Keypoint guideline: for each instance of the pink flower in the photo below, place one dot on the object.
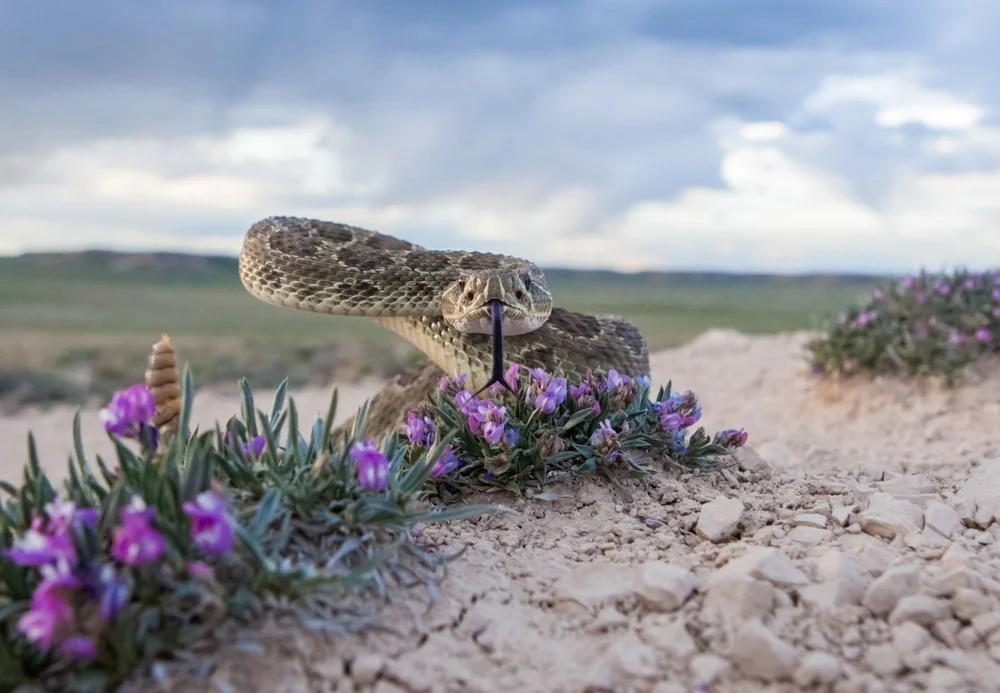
(447, 463)
(488, 421)
(373, 467)
(211, 531)
(135, 541)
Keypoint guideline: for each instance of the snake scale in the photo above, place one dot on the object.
(438, 300)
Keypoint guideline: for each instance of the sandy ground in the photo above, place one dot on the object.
(853, 550)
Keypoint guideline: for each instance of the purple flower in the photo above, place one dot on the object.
(582, 396)
(731, 438)
(128, 411)
(488, 421)
(606, 443)
(943, 288)
(907, 283)
(621, 388)
(114, 595)
(200, 570)
(511, 437)
(678, 411)
(78, 647)
(255, 446)
(36, 548)
(419, 430)
(135, 541)
(467, 402)
(512, 376)
(552, 396)
(956, 338)
(50, 614)
(996, 312)
(983, 335)
(42, 625)
(447, 463)
(996, 294)
(865, 319)
(211, 531)
(373, 467)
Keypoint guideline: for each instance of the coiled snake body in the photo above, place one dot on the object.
(438, 300)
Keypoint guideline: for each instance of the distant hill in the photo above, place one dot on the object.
(158, 267)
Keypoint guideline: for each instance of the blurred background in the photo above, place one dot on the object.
(685, 163)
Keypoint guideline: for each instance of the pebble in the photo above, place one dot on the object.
(763, 563)
(810, 520)
(719, 519)
(920, 608)
(365, 668)
(707, 668)
(886, 516)
(889, 588)
(592, 584)
(759, 653)
(842, 581)
(943, 519)
(739, 598)
(663, 586)
(818, 669)
(841, 514)
(983, 488)
(809, 536)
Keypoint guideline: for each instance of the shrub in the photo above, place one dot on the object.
(921, 325)
(544, 428)
(139, 562)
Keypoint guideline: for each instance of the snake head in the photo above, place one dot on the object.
(522, 292)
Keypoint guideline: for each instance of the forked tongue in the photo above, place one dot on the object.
(497, 376)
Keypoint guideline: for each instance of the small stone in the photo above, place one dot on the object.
(707, 668)
(983, 518)
(671, 639)
(943, 519)
(909, 637)
(809, 536)
(920, 608)
(366, 668)
(719, 519)
(986, 623)
(910, 486)
(841, 514)
(944, 680)
(885, 591)
(947, 631)
(763, 563)
(872, 471)
(748, 460)
(739, 598)
(967, 603)
(607, 619)
(883, 660)
(886, 516)
(964, 507)
(634, 658)
(818, 669)
(983, 488)
(761, 654)
(663, 586)
(810, 520)
(875, 555)
(592, 584)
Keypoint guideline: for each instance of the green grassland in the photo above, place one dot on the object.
(79, 323)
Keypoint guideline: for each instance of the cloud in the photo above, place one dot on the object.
(631, 134)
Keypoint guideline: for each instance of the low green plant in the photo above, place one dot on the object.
(533, 429)
(927, 324)
(140, 561)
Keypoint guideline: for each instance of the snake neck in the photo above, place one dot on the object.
(445, 346)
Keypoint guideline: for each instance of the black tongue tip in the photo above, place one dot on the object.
(497, 374)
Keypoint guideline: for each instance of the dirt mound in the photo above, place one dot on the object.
(854, 551)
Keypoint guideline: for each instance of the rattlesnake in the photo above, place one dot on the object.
(436, 299)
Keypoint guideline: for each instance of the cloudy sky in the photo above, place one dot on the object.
(774, 135)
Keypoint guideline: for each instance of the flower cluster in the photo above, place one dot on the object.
(77, 583)
(545, 424)
(919, 325)
(128, 415)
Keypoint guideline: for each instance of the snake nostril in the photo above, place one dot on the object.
(469, 295)
(519, 294)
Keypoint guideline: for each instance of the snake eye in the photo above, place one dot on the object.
(519, 294)
(469, 295)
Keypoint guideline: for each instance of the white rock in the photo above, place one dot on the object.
(885, 591)
(909, 637)
(875, 555)
(910, 486)
(968, 603)
(738, 598)
(943, 519)
(632, 657)
(808, 536)
(749, 460)
(670, 638)
(818, 669)
(708, 668)
(365, 668)
(719, 519)
(810, 520)
(592, 584)
(983, 518)
(841, 514)
(983, 488)
(761, 654)
(944, 680)
(764, 563)
(843, 580)
(920, 608)
(964, 506)
(886, 516)
(663, 586)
